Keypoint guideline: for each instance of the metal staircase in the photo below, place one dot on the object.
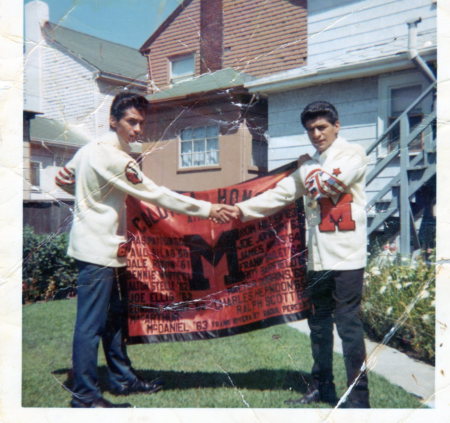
(415, 169)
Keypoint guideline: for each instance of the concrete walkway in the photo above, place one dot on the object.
(412, 375)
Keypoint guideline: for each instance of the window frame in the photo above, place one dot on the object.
(183, 77)
(386, 84)
(35, 173)
(203, 166)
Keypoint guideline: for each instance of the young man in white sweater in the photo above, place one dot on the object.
(101, 175)
(332, 183)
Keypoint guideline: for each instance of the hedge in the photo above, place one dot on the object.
(47, 272)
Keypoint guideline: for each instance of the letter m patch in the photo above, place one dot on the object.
(337, 215)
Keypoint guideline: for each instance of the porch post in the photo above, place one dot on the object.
(405, 222)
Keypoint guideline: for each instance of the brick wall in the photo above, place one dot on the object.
(211, 41)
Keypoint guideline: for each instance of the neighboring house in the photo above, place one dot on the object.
(364, 58)
(46, 207)
(205, 126)
(70, 81)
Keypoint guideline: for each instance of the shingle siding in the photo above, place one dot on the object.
(181, 37)
(69, 89)
(72, 94)
(259, 38)
(104, 96)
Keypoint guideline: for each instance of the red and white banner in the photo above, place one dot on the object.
(189, 278)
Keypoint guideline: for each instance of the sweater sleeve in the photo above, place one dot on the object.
(65, 177)
(269, 202)
(334, 178)
(122, 171)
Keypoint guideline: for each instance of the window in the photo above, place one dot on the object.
(182, 68)
(199, 147)
(259, 153)
(35, 174)
(396, 92)
(401, 99)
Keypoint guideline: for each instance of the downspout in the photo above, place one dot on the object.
(413, 54)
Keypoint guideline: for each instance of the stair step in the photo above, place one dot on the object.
(419, 167)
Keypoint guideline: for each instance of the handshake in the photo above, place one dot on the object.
(223, 213)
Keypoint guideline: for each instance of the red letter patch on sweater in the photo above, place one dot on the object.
(336, 215)
(133, 173)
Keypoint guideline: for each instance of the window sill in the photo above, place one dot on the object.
(179, 80)
(199, 169)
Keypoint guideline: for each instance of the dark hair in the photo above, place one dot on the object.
(319, 109)
(124, 101)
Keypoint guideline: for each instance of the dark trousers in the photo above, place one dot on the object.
(99, 316)
(336, 297)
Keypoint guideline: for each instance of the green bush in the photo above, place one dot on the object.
(398, 305)
(47, 272)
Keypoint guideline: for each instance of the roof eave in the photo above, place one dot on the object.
(144, 48)
(120, 78)
(195, 96)
(363, 69)
(55, 143)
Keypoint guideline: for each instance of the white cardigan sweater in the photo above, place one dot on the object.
(105, 174)
(333, 184)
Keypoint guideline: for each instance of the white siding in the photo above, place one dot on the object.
(357, 103)
(69, 88)
(346, 27)
(355, 100)
(36, 12)
(105, 94)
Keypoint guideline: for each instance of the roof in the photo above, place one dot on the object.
(370, 60)
(56, 132)
(52, 131)
(219, 80)
(165, 24)
(111, 59)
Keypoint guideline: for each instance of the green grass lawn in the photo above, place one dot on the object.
(260, 369)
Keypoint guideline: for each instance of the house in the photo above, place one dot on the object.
(376, 61)
(70, 81)
(205, 126)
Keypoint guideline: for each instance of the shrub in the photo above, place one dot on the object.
(47, 271)
(398, 304)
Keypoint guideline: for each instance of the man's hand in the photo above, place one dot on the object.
(303, 158)
(223, 213)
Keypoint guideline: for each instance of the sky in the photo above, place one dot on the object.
(128, 22)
